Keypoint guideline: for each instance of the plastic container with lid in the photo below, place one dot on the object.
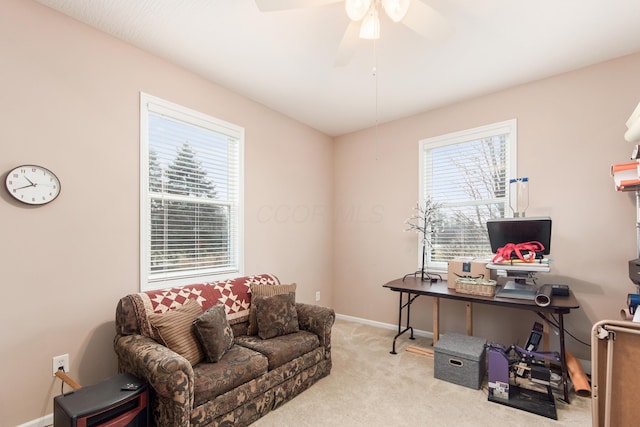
(519, 196)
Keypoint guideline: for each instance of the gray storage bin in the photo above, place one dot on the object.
(460, 359)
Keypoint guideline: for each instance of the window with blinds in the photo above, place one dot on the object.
(466, 174)
(191, 212)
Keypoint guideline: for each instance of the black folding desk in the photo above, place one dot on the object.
(414, 287)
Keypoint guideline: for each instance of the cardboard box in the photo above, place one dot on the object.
(460, 359)
(467, 267)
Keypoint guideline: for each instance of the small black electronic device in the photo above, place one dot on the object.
(130, 386)
(535, 337)
(560, 290)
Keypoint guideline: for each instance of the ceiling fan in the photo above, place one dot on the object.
(364, 18)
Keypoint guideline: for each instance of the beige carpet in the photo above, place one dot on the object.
(370, 387)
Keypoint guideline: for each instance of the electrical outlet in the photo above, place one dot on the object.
(61, 362)
(317, 295)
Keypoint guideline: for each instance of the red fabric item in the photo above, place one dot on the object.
(233, 293)
(504, 253)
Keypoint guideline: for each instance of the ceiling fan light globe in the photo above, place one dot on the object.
(396, 9)
(357, 9)
(370, 28)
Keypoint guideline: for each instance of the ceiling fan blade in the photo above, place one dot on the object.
(274, 5)
(426, 21)
(348, 44)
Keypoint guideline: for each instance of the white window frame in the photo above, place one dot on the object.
(150, 104)
(470, 135)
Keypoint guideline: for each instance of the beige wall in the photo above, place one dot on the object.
(327, 215)
(70, 102)
(570, 131)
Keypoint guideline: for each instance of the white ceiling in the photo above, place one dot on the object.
(285, 59)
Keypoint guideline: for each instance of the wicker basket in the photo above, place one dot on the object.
(485, 288)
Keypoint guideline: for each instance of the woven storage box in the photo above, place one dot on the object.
(460, 359)
(486, 288)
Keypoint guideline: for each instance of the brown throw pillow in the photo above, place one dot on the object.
(214, 333)
(175, 330)
(276, 315)
(264, 291)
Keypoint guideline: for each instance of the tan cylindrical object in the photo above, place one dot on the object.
(578, 377)
(67, 379)
(625, 314)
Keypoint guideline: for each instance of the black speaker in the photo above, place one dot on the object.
(120, 401)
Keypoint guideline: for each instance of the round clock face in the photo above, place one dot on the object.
(32, 184)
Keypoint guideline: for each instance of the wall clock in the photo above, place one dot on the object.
(33, 185)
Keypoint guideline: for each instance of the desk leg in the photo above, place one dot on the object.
(436, 320)
(563, 358)
(408, 328)
(469, 319)
(563, 354)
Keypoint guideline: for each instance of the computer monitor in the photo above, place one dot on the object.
(503, 231)
(519, 230)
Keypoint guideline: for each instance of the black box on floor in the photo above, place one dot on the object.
(121, 400)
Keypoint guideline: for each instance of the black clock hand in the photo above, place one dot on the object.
(30, 182)
(26, 186)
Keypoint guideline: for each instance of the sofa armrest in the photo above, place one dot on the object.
(317, 319)
(169, 374)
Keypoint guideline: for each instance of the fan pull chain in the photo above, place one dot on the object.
(374, 73)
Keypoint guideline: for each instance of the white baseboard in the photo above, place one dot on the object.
(382, 325)
(40, 422)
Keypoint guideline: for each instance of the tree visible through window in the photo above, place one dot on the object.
(191, 200)
(466, 173)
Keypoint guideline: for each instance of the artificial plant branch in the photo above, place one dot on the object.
(423, 221)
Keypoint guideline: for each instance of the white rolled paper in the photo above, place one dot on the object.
(633, 133)
(633, 126)
(634, 116)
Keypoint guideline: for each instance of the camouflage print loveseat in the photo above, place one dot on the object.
(252, 376)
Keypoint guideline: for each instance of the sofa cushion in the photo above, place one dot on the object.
(282, 349)
(174, 329)
(276, 315)
(238, 366)
(214, 333)
(264, 291)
